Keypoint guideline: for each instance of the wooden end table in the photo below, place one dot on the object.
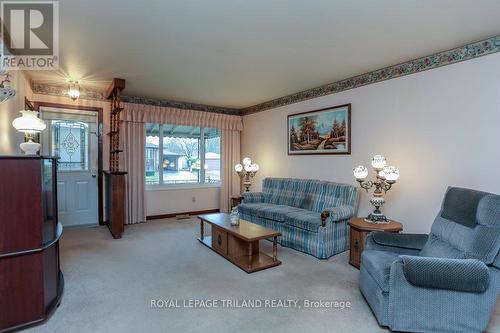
(239, 244)
(236, 200)
(359, 230)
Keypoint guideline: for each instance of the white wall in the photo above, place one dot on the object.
(159, 202)
(440, 127)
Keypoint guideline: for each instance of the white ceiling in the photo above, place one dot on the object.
(237, 53)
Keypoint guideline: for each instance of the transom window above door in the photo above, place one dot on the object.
(180, 156)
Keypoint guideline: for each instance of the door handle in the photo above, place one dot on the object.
(93, 176)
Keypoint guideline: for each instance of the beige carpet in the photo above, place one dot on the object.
(110, 285)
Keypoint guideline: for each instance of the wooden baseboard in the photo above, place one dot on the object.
(196, 212)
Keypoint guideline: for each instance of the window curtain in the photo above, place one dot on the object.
(134, 116)
(230, 181)
(133, 138)
(165, 115)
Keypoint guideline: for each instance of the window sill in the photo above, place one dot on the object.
(173, 187)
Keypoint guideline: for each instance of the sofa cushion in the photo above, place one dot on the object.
(275, 212)
(276, 190)
(437, 248)
(304, 219)
(285, 191)
(294, 193)
(333, 195)
(311, 194)
(378, 265)
(288, 198)
(449, 239)
(253, 197)
(460, 205)
(252, 208)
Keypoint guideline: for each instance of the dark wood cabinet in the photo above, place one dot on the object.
(31, 281)
(115, 202)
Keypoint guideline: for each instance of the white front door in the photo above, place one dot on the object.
(71, 135)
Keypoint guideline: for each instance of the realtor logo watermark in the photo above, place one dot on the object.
(30, 35)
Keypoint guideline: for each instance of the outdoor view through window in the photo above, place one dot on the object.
(190, 155)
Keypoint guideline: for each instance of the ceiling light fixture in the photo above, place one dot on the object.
(74, 90)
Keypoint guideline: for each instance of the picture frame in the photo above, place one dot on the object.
(324, 131)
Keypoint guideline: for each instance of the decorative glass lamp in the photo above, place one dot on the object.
(29, 124)
(74, 90)
(378, 162)
(247, 171)
(385, 177)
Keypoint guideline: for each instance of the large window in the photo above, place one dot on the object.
(178, 154)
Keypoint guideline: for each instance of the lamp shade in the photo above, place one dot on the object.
(390, 173)
(238, 167)
(379, 162)
(28, 122)
(248, 167)
(360, 172)
(255, 167)
(247, 161)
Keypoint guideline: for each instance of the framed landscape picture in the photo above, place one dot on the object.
(324, 131)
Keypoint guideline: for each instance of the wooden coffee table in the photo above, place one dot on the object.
(239, 244)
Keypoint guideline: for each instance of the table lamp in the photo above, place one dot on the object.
(29, 124)
(247, 171)
(385, 177)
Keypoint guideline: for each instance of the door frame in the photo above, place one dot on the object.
(100, 197)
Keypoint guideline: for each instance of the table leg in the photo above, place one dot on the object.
(275, 248)
(250, 254)
(202, 232)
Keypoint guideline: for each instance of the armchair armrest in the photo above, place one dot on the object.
(406, 241)
(409, 244)
(250, 197)
(336, 214)
(468, 275)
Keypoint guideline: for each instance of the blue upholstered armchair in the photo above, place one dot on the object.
(447, 281)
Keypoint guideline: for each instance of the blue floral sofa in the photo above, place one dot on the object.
(311, 215)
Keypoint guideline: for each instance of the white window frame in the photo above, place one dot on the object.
(201, 152)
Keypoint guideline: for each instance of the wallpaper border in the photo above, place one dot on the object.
(466, 52)
(458, 54)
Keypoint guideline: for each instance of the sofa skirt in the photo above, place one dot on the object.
(328, 241)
